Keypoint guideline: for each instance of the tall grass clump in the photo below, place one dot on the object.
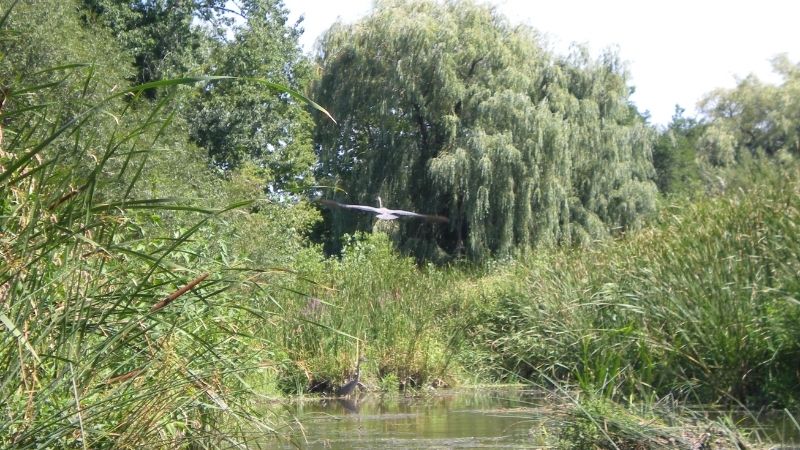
(702, 306)
(134, 300)
(109, 337)
(120, 325)
(375, 302)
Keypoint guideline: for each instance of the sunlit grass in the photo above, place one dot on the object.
(118, 330)
(700, 306)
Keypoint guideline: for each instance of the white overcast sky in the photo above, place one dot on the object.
(676, 50)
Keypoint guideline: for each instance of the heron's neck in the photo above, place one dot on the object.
(380, 203)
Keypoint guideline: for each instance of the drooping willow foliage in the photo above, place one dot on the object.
(445, 108)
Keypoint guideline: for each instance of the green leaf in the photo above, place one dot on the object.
(18, 334)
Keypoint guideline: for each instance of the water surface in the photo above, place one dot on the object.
(483, 417)
(474, 418)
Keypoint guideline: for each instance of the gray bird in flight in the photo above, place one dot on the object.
(384, 213)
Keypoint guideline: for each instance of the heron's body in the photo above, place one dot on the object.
(347, 388)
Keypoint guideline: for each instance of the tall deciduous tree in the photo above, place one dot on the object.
(242, 121)
(753, 118)
(445, 108)
(675, 155)
(238, 123)
(164, 37)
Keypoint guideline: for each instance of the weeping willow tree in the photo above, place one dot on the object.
(445, 108)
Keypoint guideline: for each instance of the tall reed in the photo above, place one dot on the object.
(112, 337)
(374, 302)
(703, 305)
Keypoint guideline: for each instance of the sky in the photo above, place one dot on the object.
(676, 51)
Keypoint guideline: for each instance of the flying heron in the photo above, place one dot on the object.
(347, 388)
(384, 213)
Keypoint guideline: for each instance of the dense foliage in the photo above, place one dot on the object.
(754, 118)
(238, 123)
(446, 108)
(675, 156)
(124, 255)
(701, 306)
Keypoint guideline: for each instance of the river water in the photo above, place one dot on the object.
(475, 418)
(481, 417)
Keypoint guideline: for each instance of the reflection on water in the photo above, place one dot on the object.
(467, 418)
(464, 419)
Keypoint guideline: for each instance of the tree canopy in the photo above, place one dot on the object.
(753, 118)
(241, 121)
(238, 123)
(675, 155)
(445, 108)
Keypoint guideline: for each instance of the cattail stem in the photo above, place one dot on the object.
(125, 376)
(171, 297)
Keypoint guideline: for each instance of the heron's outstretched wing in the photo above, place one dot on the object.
(383, 213)
(344, 205)
(400, 212)
(361, 207)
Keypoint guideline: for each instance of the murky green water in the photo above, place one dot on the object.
(478, 418)
(464, 418)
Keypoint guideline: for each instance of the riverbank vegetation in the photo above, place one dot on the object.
(165, 266)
